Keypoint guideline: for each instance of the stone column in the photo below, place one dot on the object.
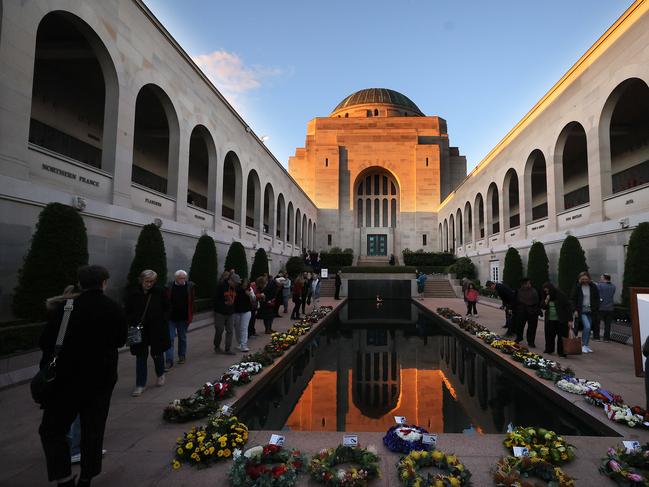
(551, 190)
(598, 143)
(217, 181)
(123, 173)
(180, 168)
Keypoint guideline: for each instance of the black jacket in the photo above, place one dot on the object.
(577, 298)
(506, 294)
(224, 298)
(156, 329)
(88, 359)
(563, 306)
(267, 305)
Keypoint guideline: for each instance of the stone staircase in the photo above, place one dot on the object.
(378, 261)
(327, 287)
(439, 288)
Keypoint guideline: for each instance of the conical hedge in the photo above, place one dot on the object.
(513, 271)
(58, 248)
(538, 266)
(294, 266)
(236, 259)
(259, 264)
(572, 261)
(204, 269)
(149, 254)
(636, 266)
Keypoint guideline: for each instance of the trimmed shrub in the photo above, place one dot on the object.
(636, 266)
(58, 248)
(236, 259)
(204, 269)
(572, 261)
(462, 268)
(538, 266)
(333, 262)
(294, 266)
(149, 254)
(513, 271)
(421, 258)
(259, 264)
(348, 250)
(336, 250)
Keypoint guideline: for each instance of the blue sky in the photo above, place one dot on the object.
(481, 65)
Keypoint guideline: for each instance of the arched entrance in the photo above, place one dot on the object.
(376, 200)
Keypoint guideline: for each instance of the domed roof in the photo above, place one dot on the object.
(378, 95)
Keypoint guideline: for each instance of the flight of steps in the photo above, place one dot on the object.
(378, 261)
(439, 288)
(327, 287)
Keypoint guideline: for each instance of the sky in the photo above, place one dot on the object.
(480, 65)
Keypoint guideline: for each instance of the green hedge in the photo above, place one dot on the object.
(20, 338)
(388, 269)
(418, 259)
(334, 262)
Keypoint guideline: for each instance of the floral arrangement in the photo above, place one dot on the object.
(541, 443)
(577, 386)
(260, 357)
(455, 473)
(472, 327)
(404, 439)
(298, 329)
(507, 346)
(270, 466)
(627, 468)
(514, 472)
(236, 378)
(284, 340)
(524, 354)
(322, 466)
(600, 397)
(624, 414)
(274, 350)
(250, 368)
(198, 405)
(208, 444)
(537, 362)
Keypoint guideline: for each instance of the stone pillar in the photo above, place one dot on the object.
(522, 207)
(218, 189)
(180, 168)
(598, 143)
(123, 173)
(551, 192)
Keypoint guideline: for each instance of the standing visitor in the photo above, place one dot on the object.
(252, 332)
(585, 302)
(471, 298)
(315, 290)
(606, 305)
(298, 287)
(223, 311)
(421, 284)
(558, 318)
(527, 312)
(279, 282)
(339, 283)
(306, 291)
(180, 294)
(286, 291)
(148, 307)
(242, 311)
(508, 298)
(267, 305)
(86, 373)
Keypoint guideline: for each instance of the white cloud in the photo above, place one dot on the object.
(231, 76)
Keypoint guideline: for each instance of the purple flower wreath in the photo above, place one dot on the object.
(405, 438)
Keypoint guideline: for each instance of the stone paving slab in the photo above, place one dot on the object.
(611, 364)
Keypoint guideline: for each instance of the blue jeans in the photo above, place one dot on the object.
(585, 334)
(74, 437)
(141, 366)
(177, 328)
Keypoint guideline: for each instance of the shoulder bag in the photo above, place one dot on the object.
(571, 343)
(134, 336)
(42, 385)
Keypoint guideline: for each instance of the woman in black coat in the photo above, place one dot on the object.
(267, 304)
(155, 333)
(558, 317)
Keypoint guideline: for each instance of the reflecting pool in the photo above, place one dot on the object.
(372, 363)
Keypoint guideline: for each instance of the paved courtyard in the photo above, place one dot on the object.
(140, 444)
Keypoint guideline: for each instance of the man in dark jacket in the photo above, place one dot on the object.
(180, 295)
(224, 310)
(86, 373)
(339, 283)
(508, 298)
(527, 312)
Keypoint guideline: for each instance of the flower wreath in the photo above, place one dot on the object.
(270, 465)
(236, 378)
(600, 397)
(402, 438)
(455, 473)
(625, 415)
(512, 471)
(251, 368)
(625, 468)
(198, 405)
(261, 357)
(541, 443)
(322, 466)
(210, 443)
(577, 386)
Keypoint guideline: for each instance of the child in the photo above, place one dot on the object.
(471, 298)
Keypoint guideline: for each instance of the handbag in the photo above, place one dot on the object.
(134, 336)
(571, 343)
(42, 384)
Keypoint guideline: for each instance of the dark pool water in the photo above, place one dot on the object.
(370, 364)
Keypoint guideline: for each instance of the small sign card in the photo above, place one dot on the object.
(400, 419)
(521, 451)
(510, 428)
(350, 440)
(429, 439)
(276, 440)
(226, 409)
(324, 273)
(631, 445)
